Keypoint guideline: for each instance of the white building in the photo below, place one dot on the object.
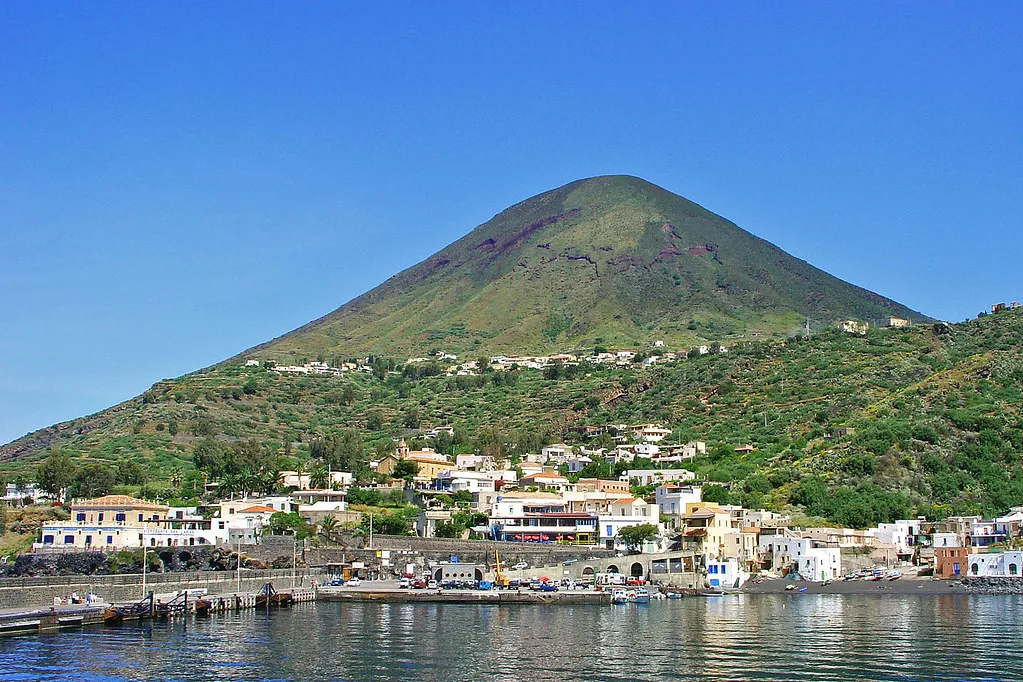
(820, 563)
(115, 522)
(454, 480)
(725, 573)
(903, 534)
(655, 476)
(301, 480)
(672, 499)
(999, 565)
(624, 512)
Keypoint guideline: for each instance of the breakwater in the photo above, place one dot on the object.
(40, 591)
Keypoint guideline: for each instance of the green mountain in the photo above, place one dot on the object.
(613, 260)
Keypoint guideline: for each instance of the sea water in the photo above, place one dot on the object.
(743, 637)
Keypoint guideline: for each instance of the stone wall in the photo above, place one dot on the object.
(421, 551)
(39, 592)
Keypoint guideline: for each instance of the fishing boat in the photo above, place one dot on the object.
(619, 597)
(641, 596)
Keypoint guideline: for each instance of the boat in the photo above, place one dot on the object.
(674, 595)
(641, 596)
(619, 597)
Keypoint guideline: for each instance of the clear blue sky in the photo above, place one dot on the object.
(180, 181)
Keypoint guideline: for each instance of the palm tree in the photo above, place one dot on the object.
(328, 526)
(318, 478)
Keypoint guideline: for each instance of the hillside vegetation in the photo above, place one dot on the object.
(935, 408)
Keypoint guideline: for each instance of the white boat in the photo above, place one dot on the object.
(641, 595)
(619, 597)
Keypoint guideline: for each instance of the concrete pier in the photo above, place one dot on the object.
(463, 596)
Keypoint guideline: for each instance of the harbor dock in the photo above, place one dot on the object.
(163, 606)
(461, 596)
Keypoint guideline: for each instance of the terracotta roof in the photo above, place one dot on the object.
(625, 500)
(120, 501)
(257, 509)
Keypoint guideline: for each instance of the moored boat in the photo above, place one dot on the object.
(619, 597)
(641, 595)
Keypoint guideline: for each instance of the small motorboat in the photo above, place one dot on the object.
(641, 596)
(619, 597)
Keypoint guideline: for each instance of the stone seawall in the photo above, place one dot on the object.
(38, 592)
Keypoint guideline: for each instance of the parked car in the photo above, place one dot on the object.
(432, 585)
(418, 584)
(521, 565)
(548, 587)
(353, 582)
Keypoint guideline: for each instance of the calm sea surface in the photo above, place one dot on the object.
(762, 637)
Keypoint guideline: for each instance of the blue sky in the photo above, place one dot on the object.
(180, 181)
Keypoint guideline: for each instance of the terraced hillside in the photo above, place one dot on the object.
(936, 413)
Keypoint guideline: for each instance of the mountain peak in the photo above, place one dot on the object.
(612, 259)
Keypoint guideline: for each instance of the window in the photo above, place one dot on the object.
(69, 539)
(99, 519)
(119, 517)
(80, 516)
(974, 568)
(140, 517)
(724, 569)
(110, 539)
(88, 540)
(47, 539)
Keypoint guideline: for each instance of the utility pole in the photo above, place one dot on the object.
(371, 530)
(144, 550)
(238, 567)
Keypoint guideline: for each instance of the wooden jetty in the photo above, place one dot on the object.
(166, 606)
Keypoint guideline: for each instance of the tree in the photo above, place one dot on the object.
(635, 536)
(280, 523)
(93, 480)
(3, 518)
(56, 474)
(406, 470)
(718, 494)
(130, 473)
(327, 527)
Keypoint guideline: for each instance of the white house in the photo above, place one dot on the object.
(725, 573)
(672, 499)
(559, 453)
(903, 534)
(820, 563)
(998, 565)
(628, 511)
(653, 476)
(454, 480)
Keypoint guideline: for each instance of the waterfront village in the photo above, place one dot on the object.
(542, 501)
(657, 512)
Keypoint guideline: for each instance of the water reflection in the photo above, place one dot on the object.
(767, 637)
